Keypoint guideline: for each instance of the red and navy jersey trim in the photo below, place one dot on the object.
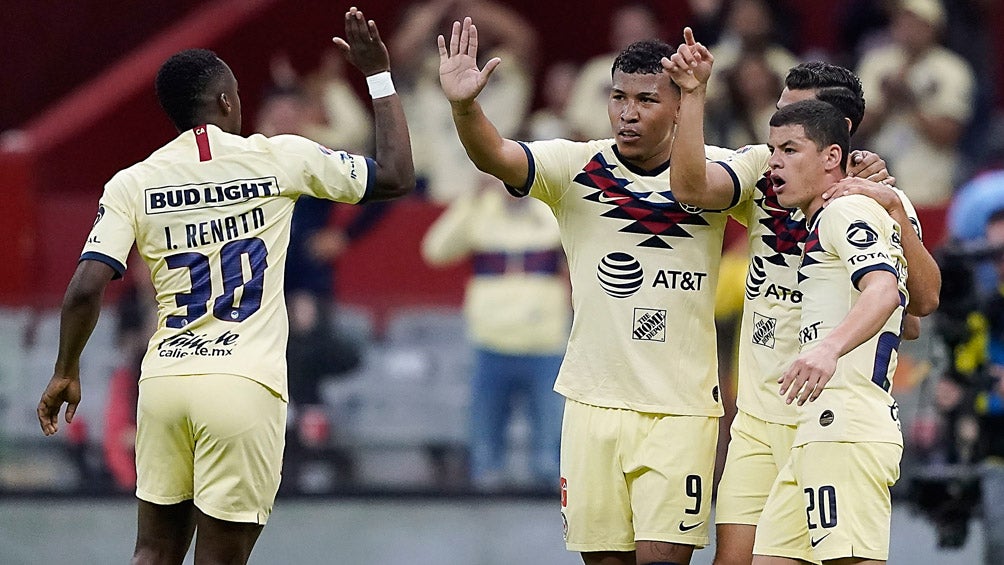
(202, 141)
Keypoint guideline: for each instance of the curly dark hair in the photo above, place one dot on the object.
(833, 84)
(182, 80)
(642, 57)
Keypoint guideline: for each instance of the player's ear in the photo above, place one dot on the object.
(834, 155)
(224, 103)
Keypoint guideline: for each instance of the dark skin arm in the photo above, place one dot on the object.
(395, 169)
(81, 306)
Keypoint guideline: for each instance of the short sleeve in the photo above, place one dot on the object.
(911, 213)
(745, 165)
(324, 173)
(552, 165)
(114, 230)
(860, 232)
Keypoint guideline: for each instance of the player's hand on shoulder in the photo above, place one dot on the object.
(362, 45)
(879, 192)
(868, 165)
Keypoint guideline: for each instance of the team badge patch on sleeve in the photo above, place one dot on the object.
(861, 235)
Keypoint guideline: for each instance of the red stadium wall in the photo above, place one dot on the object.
(112, 120)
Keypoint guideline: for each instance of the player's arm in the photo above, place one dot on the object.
(809, 373)
(692, 178)
(924, 281)
(394, 174)
(81, 306)
(462, 82)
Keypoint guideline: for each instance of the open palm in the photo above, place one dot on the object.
(458, 64)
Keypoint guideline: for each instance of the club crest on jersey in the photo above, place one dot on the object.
(620, 274)
(655, 214)
(649, 325)
(861, 235)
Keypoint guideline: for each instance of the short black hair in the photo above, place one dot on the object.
(823, 124)
(181, 82)
(833, 84)
(642, 57)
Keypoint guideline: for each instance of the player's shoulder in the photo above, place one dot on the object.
(570, 148)
(755, 156)
(851, 203)
(854, 208)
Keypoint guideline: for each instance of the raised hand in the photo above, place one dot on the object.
(690, 66)
(458, 65)
(362, 45)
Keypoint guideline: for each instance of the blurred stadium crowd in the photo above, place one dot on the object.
(386, 407)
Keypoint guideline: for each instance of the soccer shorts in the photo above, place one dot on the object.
(214, 439)
(628, 476)
(757, 452)
(831, 501)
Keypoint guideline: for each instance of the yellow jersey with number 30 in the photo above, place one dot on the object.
(210, 214)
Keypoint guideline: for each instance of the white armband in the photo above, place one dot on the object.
(380, 85)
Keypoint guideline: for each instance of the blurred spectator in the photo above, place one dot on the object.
(750, 31)
(751, 87)
(321, 106)
(137, 321)
(629, 23)
(440, 159)
(550, 121)
(972, 205)
(518, 312)
(920, 98)
(706, 19)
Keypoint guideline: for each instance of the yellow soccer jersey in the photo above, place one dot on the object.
(210, 214)
(851, 237)
(643, 269)
(772, 304)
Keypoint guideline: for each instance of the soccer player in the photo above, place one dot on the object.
(833, 494)
(764, 426)
(639, 375)
(210, 213)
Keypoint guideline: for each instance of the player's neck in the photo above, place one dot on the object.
(818, 202)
